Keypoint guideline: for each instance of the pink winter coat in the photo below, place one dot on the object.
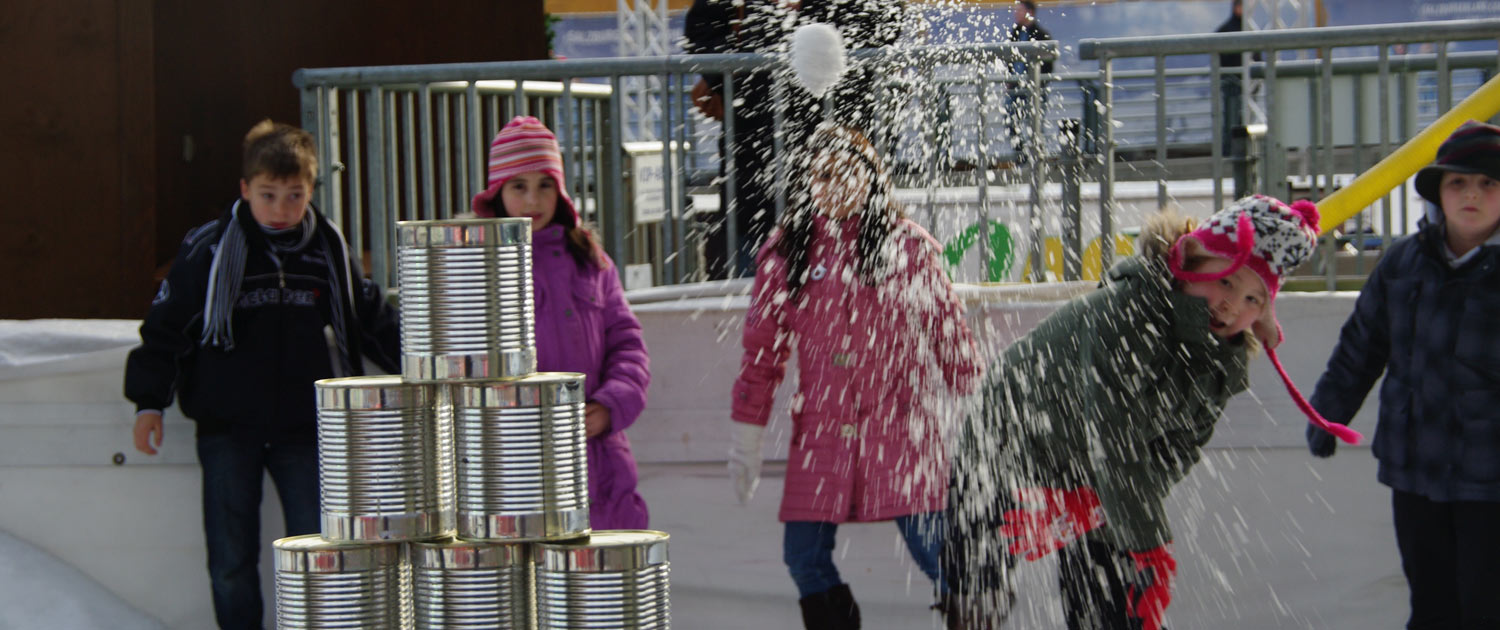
(863, 447)
(583, 324)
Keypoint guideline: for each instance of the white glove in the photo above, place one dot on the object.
(744, 459)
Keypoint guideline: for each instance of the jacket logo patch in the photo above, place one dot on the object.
(275, 295)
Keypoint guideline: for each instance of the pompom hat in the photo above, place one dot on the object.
(524, 145)
(1271, 239)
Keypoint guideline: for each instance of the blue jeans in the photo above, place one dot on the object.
(808, 550)
(232, 481)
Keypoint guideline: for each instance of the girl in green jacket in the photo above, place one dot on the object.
(1089, 420)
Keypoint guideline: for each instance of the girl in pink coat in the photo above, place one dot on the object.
(856, 290)
(583, 323)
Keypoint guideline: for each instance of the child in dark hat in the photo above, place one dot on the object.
(1428, 318)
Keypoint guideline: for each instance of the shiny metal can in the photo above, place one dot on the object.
(323, 585)
(466, 300)
(614, 579)
(384, 463)
(459, 585)
(522, 466)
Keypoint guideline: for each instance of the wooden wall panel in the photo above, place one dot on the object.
(122, 129)
(71, 228)
(228, 65)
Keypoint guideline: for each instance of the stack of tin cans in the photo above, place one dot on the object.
(456, 495)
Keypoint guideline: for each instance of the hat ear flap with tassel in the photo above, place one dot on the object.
(1272, 239)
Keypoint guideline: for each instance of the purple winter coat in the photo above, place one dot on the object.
(584, 325)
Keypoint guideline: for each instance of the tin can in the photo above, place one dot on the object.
(522, 468)
(466, 299)
(381, 456)
(322, 584)
(471, 585)
(614, 579)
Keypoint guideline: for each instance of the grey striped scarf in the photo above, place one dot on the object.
(228, 270)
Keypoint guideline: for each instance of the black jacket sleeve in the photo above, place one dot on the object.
(380, 324)
(169, 334)
(1362, 352)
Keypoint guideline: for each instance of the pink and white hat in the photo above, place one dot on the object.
(524, 145)
(1272, 239)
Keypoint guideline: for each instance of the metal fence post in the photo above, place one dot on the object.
(1072, 198)
(1107, 168)
(613, 180)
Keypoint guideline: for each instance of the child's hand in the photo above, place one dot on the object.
(595, 419)
(1321, 443)
(1155, 570)
(147, 426)
(1050, 519)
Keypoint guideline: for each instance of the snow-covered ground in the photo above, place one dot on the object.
(1267, 537)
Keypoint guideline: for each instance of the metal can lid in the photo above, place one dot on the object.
(535, 390)
(461, 554)
(604, 551)
(372, 392)
(496, 232)
(311, 554)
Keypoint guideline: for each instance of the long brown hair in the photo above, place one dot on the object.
(580, 240)
(878, 216)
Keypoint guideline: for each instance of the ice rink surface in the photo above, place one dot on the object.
(1265, 538)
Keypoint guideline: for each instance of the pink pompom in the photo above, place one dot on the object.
(1309, 212)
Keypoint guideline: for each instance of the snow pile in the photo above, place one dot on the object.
(32, 348)
(38, 591)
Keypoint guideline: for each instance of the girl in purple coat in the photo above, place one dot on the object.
(856, 289)
(583, 323)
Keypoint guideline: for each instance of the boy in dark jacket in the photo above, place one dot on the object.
(237, 334)
(1429, 318)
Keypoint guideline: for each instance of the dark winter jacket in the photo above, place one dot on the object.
(1434, 331)
(1032, 32)
(1117, 391)
(761, 26)
(262, 388)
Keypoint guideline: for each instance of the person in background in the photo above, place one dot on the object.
(764, 26)
(583, 323)
(1019, 98)
(1230, 82)
(236, 334)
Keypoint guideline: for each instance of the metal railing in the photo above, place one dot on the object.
(415, 137)
(410, 142)
(1316, 108)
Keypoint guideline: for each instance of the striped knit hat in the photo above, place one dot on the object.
(523, 146)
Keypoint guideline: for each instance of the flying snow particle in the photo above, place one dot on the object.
(817, 57)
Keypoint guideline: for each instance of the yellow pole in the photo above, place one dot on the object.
(1407, 160)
